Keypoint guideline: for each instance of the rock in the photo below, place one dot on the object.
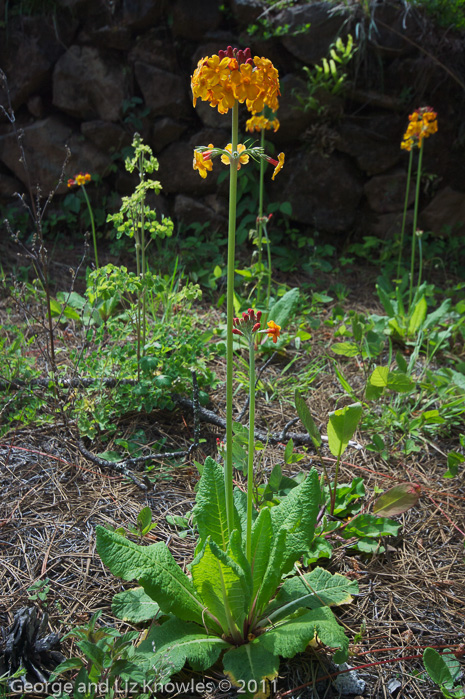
(105, 135)
(210, 116)
(44, 145)
(35, 105)
(189, 23)
(99, 98)
(142, 14)
(372, 144)
(386, 193)
(149, 48)
(312, 44)
(8, 187)
(111, 37)
(292, 117)
(445, 213)
(191, 211)
(323, 192)
(394, 29)
(165, 131)
(165, 94)
(247, 11)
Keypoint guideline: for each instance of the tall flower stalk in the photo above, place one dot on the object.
(422, 124)
(81, 180)
(226, 80)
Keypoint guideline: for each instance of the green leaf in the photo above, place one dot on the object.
(134, 606)
(344, 383)
(417, 317)
(210, 506)
(379, 377)
(442, 669)
(345, 349)
(55, 308)
(453, 461)
(292, 635)
(92, 652)
(371, 526)
(284, 309)
(297, 512)
(288, 451)
(250, 666)
(262, 536)
(316, 589)
(220, 583)
(155, 569)
(144, 520)
(400, 382)
(274, 570)
(341, 427)
(307, 420)
(177, 642)
(397, 500)
(386, 301)
(319, 548)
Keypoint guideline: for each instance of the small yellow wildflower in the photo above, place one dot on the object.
(243, 159)
(202, 161)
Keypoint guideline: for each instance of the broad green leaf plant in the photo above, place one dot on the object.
(239, 599)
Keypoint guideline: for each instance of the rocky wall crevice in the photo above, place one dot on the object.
(90, 74)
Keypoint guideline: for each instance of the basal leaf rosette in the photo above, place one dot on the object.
(234, 75)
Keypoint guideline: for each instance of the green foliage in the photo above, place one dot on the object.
(228, 602)
(447, 13)
(444, 669)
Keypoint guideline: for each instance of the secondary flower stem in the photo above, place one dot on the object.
(260, 215)
(251, 449)
(415, 218)
(228, 468)
(92, 223)
(407, 192)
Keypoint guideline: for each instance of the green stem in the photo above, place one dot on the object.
(260, 216)
(92, 223)
(142, 234)
(333, 494)
(268, 252)
(228, 469)
(404, 217)
(251, 449)
(415, 218)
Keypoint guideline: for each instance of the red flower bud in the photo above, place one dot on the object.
(259, 315)
(256, 327)
(235, 331)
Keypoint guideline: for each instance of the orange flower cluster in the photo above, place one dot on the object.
(79, 180)
(234, 75)
(423, 123)
(257, 123)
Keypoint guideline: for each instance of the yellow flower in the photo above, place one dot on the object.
(278, 164)
(422, 123)
(273, 331)
(257, 123)
(79, 180)
(233, 75)
(243, 159)
(202, 161)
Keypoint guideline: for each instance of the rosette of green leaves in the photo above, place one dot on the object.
(227, 605)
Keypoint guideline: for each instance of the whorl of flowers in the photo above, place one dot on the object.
(422, 123)
(257, 123)
(79, 180)
(234, 75)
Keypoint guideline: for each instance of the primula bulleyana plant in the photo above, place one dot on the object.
(238, 599)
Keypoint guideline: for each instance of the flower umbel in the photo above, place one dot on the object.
(422, 123)
(257, 123)
(234, 75)
(79, 180)
(243, 159)
(248, 324)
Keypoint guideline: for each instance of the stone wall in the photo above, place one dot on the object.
(89, 73)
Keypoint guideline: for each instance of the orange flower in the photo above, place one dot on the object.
(423, 123)
(79, 180)
(243, 159)
(273, 331)
(233, 75)
(202, 161)
(278, 164)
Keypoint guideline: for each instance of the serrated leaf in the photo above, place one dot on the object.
(210, 506)
(134, 606)
(155, 569)
(220, 584)
(177, 642)
(249, 666)
(315, 589)
(292, 635)
(297, 512)
(274, 570)
(306, 418)
(341, 427)
(345, 349)
(397, 500)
